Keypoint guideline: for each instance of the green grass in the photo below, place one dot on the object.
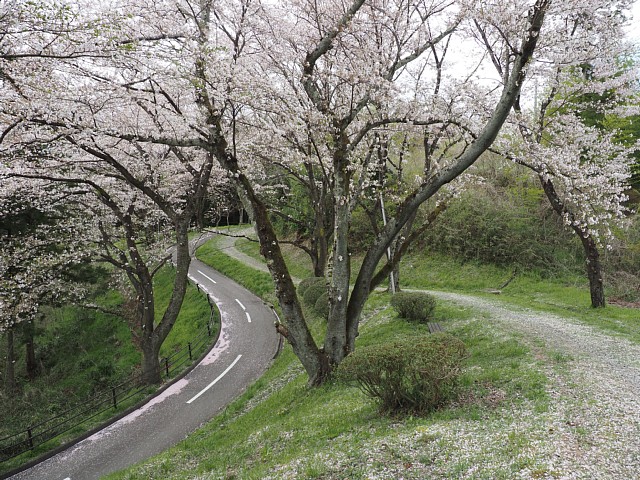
(86, 351)
(298, 262)
(280, 428)
(193, 316)
(258, 282)
(565, 296)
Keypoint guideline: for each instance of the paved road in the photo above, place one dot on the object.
(246, 346)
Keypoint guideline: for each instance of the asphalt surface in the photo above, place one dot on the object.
(247, 344)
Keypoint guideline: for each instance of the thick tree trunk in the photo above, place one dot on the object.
(337, 344)
(10, 383)
(151, 372)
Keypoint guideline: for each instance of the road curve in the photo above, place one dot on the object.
(247, 344)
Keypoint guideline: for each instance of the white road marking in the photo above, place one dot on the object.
(216, 380)
(248, 317)
(240, 303)
(206, 276)
(198, 285)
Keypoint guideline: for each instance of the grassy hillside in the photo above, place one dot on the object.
(85, 351)
(282, 429)
(566, 295)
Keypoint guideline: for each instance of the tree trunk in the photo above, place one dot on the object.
(336, 344)
(320, 248)
(394, 279)
(30, 351)
(153, 338)
(294, 327)
(151, 372)
(10, 383)
(594, 269)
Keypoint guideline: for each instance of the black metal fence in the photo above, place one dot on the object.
(110, 399)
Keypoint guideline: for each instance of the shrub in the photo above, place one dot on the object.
(313, 292)
(322, 305)
(505, 225)
(409, 374)
(307, 282)
(414, 306)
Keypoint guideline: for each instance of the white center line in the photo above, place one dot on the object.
(240, 303)
(216, 380)
(206, 276)
(248, 317)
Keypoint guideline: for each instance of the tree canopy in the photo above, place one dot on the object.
(151, 95)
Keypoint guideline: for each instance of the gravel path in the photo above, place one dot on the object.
(593, 427)
(227, 241)
(596, 404)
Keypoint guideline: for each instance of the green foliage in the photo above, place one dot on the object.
(307, 282)
(410, 374)
(508, 226)
(360, 231)
(313, 293)
(414, 306)
(84, 351)
(322, 305)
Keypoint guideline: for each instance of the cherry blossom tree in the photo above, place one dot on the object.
(345, 79)
(583, 170)
(84, 97)
(43, 242)
(175, 85)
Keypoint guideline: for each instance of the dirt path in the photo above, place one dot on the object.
(594, 422)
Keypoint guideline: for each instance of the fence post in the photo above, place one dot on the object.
(190, 356)
(166, 365)
(30, 437)
(113, 394)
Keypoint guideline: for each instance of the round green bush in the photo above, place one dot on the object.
(414, 306)
(313, 292)
(409, 374)
(307, 282)
(322, 305)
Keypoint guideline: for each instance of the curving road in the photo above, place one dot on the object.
(247, 344)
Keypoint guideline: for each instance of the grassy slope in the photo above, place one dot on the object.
(282, 429)
(566, 296)
(89, 351)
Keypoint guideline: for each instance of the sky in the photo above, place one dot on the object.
(633, 31)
